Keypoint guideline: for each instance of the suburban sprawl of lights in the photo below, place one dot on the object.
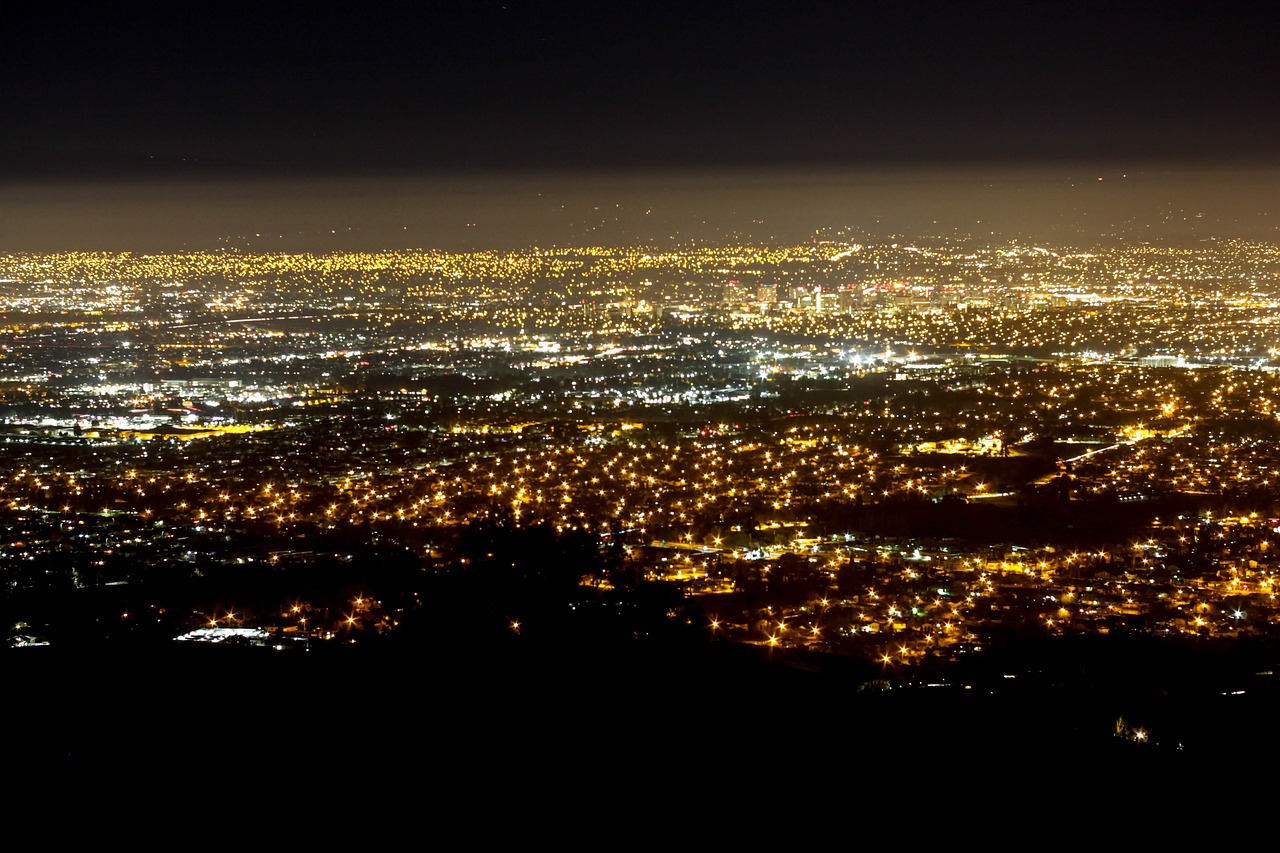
(806, 442)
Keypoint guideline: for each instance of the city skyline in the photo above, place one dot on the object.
(935, 469)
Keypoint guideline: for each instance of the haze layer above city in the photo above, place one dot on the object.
(504, 125)
(1067, 205)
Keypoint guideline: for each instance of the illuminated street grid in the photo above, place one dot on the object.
(762, 426)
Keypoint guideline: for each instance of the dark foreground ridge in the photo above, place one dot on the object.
(621, 709)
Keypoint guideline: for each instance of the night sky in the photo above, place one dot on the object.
(141, 124)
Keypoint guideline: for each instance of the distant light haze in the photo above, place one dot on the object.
(503, 124)
(1069, 205)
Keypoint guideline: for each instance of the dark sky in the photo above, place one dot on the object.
(160, 95)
